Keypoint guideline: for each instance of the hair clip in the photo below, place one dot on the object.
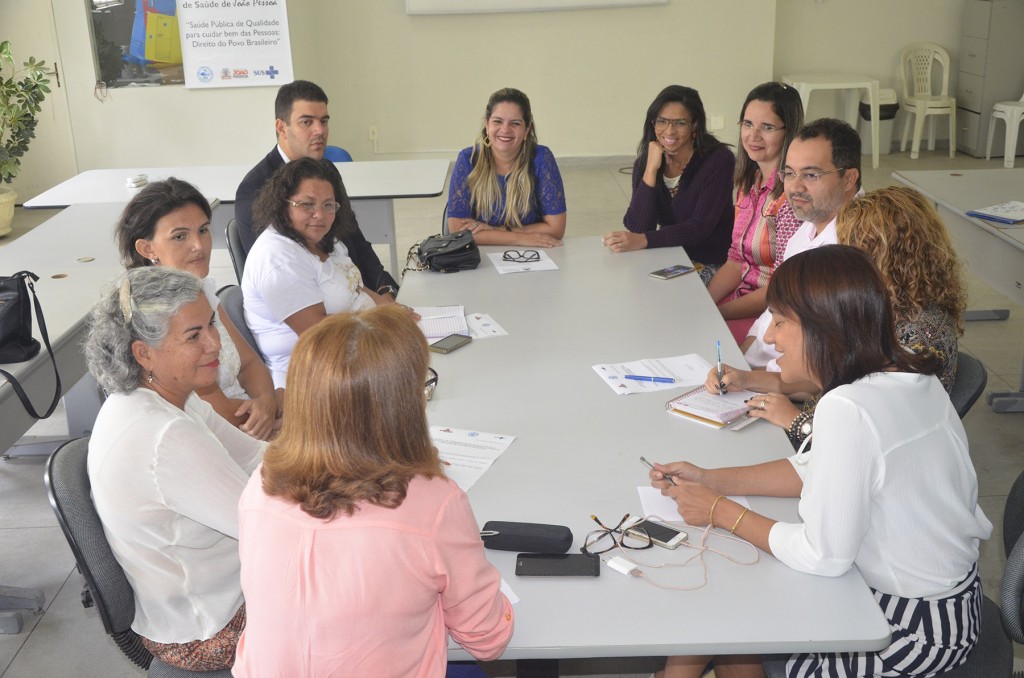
(125, 300)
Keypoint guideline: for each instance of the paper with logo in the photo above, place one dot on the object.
(482, 326)
(684, 371)
(466, 455)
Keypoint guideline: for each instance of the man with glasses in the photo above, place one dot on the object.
(301, 123)
(821, 174)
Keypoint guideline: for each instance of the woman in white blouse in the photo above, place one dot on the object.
(889, 486)
(166, 471)
(298, 270)
(168, 224)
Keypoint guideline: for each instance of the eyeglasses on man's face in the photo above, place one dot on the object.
(521, 256)
(329, 207)
(620, 536)
(678, 124)
(765, 129)
(806, 177)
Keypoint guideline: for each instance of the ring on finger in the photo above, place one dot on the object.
(763, 403)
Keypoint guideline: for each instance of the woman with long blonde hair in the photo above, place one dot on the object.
(506, 188)
(358, 555)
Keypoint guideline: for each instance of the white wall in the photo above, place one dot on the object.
(424, 80)
(864, 37)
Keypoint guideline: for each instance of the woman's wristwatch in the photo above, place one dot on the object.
(801, 427)
(388, 289)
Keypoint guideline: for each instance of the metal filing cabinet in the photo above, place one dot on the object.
(991, 70)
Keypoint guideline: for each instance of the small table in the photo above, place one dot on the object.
(994, 253)
(372, 186)
(805, 83)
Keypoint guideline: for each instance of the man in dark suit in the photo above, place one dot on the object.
(301, 122)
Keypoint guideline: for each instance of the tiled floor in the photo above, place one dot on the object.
(66, 639)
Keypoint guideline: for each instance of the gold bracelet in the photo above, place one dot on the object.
(737, 523)
(711, 515)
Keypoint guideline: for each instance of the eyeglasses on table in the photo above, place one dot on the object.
(521, 256)
(608, 538)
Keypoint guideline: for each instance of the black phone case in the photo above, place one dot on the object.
(532, 537)
(557, 565)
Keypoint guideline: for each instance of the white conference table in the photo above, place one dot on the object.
(577, 453)
(994, 253)
(59, 252)
(372, 186)
(805, 83)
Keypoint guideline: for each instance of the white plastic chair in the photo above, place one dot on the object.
(1010, 112)
(918, 99)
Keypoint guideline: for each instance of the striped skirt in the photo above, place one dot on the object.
(928, 637)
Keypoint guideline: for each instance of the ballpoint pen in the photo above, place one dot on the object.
(721, 386)
(644, 377)
(665, 475)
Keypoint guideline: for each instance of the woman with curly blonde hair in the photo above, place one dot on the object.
(901, 231)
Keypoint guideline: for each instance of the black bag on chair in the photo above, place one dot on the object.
(450, 252)
(16, 342)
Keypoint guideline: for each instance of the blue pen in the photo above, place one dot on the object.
(644, 377)
(721, 385)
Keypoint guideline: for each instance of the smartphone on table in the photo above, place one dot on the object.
(661, 534)
(557, 565)
(671, 272)
(450, 343)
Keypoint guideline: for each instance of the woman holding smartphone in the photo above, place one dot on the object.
(682, 184)
(889, 487)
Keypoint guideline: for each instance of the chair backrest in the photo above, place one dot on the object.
(1012, 589)
(337, 154)
(444, 220)
(233, 303)
(970, 382)
(67, 483)
(916, 61)
(235, 248)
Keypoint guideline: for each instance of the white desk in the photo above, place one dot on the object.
(372, 186)
(995, 254)
(577, 450)
(805, 83)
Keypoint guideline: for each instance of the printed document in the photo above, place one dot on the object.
(466, 455)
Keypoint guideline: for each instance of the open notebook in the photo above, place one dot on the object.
(711, 409)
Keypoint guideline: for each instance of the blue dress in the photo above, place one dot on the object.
(550, 196)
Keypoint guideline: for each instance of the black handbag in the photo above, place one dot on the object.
(448, 253)
(16, 342)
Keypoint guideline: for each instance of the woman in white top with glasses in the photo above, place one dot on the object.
(298, 270)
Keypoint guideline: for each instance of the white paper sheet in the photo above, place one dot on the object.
(482, 326)
(656, 504)
(466, 455)
(544, 263)
(437, 322)
(689, 371)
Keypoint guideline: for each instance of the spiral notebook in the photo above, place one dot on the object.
(712, 409)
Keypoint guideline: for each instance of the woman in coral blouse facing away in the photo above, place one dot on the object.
(359, 557)
(682, 184)
(769, 119)
(506, 188)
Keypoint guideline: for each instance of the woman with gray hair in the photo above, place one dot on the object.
(166, 470)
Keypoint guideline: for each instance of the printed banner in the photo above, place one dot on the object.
(235, 43)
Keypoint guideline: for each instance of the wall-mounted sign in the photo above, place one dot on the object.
(235, 43)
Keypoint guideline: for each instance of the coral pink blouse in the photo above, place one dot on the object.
(372, 594)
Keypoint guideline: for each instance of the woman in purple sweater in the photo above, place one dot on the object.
(682, 184)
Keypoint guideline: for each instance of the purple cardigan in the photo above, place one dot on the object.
(699, 218)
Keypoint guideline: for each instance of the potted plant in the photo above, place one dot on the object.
(21, 93)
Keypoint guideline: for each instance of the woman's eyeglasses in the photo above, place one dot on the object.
(608, 538)
(431, 385)
(329, 207)
(679, 124)
(766, 130)
(521, 257)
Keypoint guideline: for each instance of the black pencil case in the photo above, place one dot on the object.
(526, 537)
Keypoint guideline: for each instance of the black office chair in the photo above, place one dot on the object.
(235, 248)
(106, 586)
(444, 220)
(970, 382)
(232, 303)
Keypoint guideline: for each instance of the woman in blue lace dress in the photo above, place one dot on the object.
(506, 188)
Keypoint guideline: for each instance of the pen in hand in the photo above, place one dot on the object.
(665, 475)
(721, 384)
